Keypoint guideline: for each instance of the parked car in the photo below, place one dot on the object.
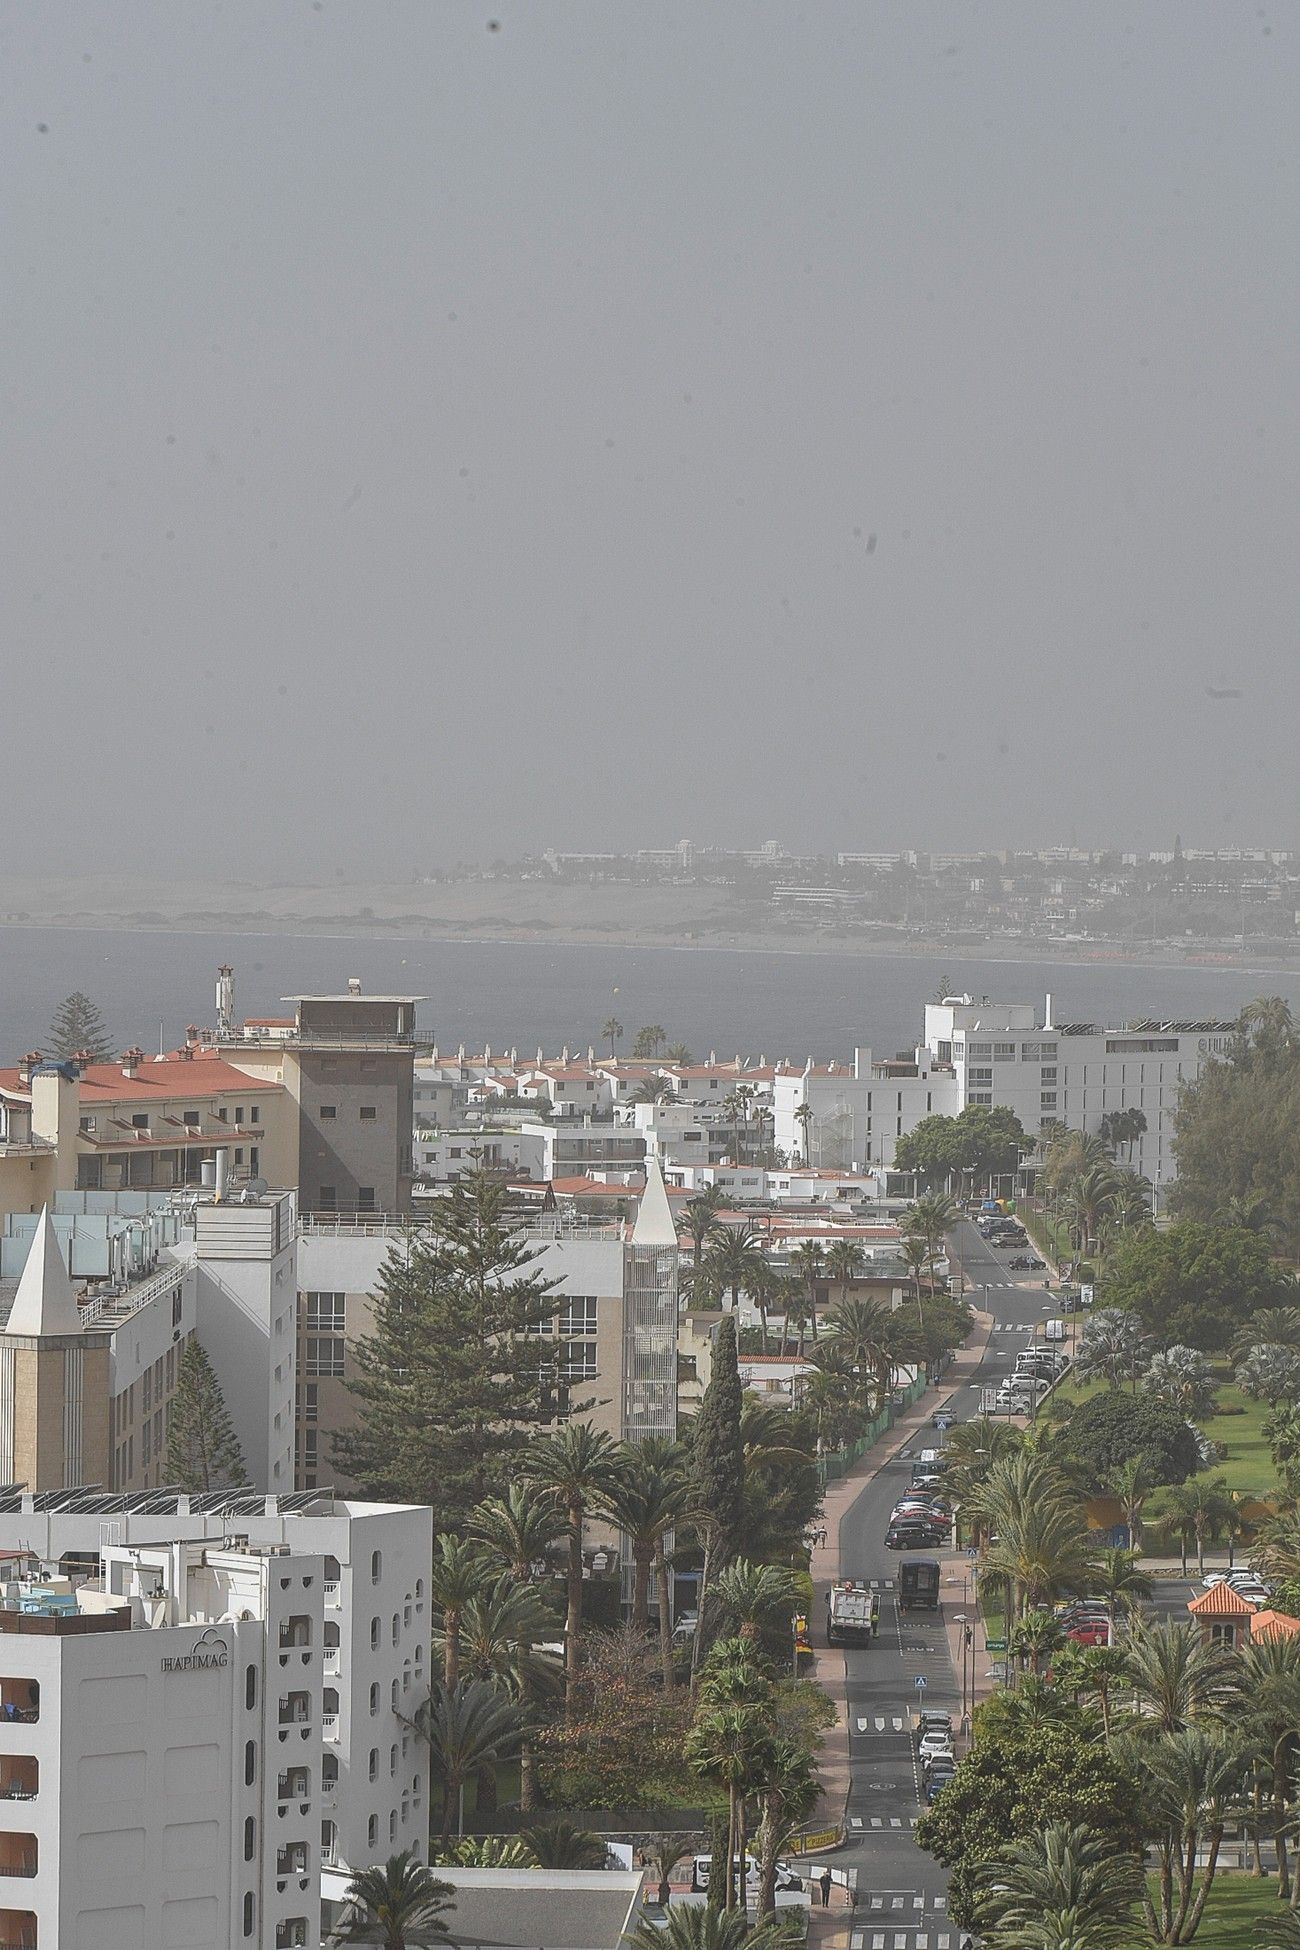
(930, 1720)
(914, 1537)
(935, 1785)
(936, 1741)
(1026, 1263)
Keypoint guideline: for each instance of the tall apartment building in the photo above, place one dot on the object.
(347, 1063)
(89, 1357)
(160, 1749)
(615, 1331)
(210, 1703)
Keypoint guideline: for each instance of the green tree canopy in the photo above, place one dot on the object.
(1235, 1126)
(203, 1451)
(78, 1027)
(1102, 1433)
(454, 1379)
(983, 1142)
(1014, 1783)
(1193, 1283)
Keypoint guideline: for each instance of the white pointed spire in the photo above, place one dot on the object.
(46, 1301)
(654, 1220)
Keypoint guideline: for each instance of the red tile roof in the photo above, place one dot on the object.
(173, 1077)
(1274, 1625)
(1221, 1601)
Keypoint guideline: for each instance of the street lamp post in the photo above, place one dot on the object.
(967, 1640)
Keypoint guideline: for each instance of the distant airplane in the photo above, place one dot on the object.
(1211, 692)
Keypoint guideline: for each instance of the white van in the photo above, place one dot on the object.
(1054, 1330)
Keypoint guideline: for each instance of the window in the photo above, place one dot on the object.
(250, 1762)
(239, 1154)
(191, 1117)
(328, 1110)
(982, 1076)
(365, 1198)
(146, 1445)
(310, 1401)
(140, 1120)
(327, 1198)
(372, 1830)
(1047, 1100)
(974, 1051)
(1004, 1052)
(325, 1313)
(979, 1096)
(454, 1151)
(578, 1362)
(254, 1114)
(374, 1700)
(375, 1629)
(392, 1825)
(250, 1839)
(239, 1113)
(324, 1356)
(176, 1307)
(376, 1566)
(397, 1627)
(249, 1914)
(146, 1405)
(86, 1124)
(374, 1763)
(367, 1113)
(250, 1687)
(578, 1313)
(392, 1761)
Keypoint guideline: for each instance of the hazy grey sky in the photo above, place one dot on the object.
(424, 440)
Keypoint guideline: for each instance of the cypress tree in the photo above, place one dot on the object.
(460, 1369)
(79, 1026)
(203, 1451)
(717, 1472)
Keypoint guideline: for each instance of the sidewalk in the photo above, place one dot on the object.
(828, 1661)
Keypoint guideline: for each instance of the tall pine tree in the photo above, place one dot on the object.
(461, 1366)
(718, 1470)
(203, 1451)
(78, 1026)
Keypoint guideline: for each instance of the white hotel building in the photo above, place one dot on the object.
(1001, 1053)
(202, 1703)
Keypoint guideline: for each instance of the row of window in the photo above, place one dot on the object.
(366, 1112)
(327, 1198)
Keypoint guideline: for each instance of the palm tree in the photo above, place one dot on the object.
(701, 1215)
(677, 1053)
(518, 1530)
(650, 1494)
(1199, 1511)
(1131, 1485)
(732, 1746)
(734, 1258)
(1035, 1637)
(931, 1218)
(1276, 1326)
(755, 1595)
(1114, 1347)
(1174, 1674)
(1064, 1872)
(788, 1794)
(459, 1574)
(915, 1255)
(1268, 1691)
(666, 1850)
(557, 1844)
(803, 1117)
(1193, 1779)
(502, 1629)
(653, 1090)
(468, 1727)
(1181, 1377)
(809, 1261)
(1119, 1579)
(650, 1039)
(1090, 1199)
(1269, 1373)
(844, 1262)
(1282, 1432)
(699, 1926)
(613, 1033)
(766, 1286)
(865, 1335)
(578, 1465)
(1091, 1672)
(1043, 1547)
(400, 1905)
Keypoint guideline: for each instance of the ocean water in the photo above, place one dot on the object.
(781, 1004)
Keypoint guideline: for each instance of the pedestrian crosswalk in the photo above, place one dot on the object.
(903, 1921)
(861, 1823)
(904, 1939)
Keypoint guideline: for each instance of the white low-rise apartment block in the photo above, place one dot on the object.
(201, 1702)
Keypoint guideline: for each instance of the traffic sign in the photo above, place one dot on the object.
(920, 1682)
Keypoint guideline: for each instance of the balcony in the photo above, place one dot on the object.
(295, 1632)
(291, 1860)
(291, 1934)
(19, 1777)
(329, 1726)
(17, 1855)
(333, 1591)
(20, 1702)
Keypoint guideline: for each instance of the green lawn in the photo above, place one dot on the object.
(1237, 1903)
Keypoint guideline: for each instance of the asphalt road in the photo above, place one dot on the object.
(901, 1891)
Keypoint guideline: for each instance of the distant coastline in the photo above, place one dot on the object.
(384, 912)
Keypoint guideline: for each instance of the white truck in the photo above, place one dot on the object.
(852, 1613)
